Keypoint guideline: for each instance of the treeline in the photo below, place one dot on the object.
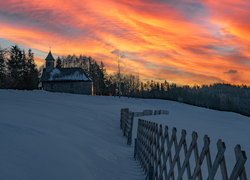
(218, 96)
(104, 83)
(96, 71)
(18, 69)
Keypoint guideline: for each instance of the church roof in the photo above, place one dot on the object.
(65, 74)
(50, 57)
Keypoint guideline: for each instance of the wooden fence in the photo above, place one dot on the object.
(126, 124)
(127, 120)
(159, 153)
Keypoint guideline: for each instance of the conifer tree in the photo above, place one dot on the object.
(22, 70)
(31, 76)
(2, 68)
(58, 63)
(16, 67)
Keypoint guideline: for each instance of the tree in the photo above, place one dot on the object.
(95, 71)
(16, 67)
(22, 71)
(2, 68)
(58, 63)
(31, 72)
(94, 75)
(102, 79)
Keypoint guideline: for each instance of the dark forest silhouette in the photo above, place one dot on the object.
(18, 71)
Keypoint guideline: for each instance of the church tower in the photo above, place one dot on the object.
(50, 62)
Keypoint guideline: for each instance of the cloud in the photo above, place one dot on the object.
(119, 53)
(184, 41)
(231, 71)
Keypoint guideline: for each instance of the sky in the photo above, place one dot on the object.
(182, 41)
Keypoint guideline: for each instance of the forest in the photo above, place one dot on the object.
(19, 71)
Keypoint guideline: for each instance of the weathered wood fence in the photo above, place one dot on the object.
(127, 120)
(159, 153)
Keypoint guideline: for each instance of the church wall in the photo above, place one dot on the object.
(79, 87)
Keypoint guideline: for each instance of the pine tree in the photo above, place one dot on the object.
(22, 70)
(2, 68)
(58, 63)
(31, 76)
(93, 73)
(16, 67)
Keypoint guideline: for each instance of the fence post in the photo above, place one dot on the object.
(122, 118)
(130, 133)
(135, 149)
(124, 129)
(125, 119)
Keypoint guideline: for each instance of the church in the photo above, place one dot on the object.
(65, 80)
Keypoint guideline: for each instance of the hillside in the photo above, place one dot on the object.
(65, 136)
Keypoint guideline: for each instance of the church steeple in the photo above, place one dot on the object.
(50, 62)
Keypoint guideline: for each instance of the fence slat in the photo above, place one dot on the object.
(219, 157)
(202, 156)
(239, 169)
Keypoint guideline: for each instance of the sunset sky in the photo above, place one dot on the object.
(182, 41)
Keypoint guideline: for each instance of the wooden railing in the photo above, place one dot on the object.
(159, 153)
(127, 120)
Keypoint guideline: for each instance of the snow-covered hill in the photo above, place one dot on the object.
(64, 136)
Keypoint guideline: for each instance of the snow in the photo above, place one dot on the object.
(55, 72)
(232, 128)
(76, 76)
(64, 136)
(57, 76)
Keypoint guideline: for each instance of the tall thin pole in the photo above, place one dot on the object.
(119, 74)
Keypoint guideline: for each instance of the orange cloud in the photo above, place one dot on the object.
(188, 43)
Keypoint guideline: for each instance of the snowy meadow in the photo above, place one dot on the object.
(64, 136)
